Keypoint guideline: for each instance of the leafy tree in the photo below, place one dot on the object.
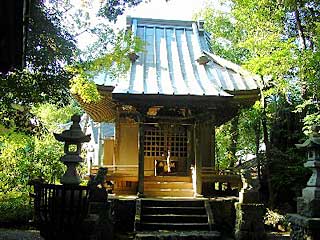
(44, 78)
(278, 41)
(34, 100)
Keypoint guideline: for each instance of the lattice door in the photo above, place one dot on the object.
(159, 140)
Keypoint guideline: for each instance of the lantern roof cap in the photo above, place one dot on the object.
(74, 134)
(313, 140)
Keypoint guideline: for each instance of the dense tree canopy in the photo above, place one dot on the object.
(279, 41)
(36, 99)
(54, 64)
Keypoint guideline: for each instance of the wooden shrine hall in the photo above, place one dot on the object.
(166, 110)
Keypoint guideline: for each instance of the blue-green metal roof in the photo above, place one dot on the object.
(170, 63)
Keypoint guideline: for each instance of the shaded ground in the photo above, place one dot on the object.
(16, 234)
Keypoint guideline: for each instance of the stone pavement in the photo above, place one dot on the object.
(17, 234)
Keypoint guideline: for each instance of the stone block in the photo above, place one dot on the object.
(249, 197)
(311, 192)
(308, 208)
(224, 214)
(304, 228)
(245, 235)
(249, 221)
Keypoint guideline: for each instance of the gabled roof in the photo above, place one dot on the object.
(178, 61)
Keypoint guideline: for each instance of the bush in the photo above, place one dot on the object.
(25, 157)
(275, 220)
(15, 208)
(22, 159)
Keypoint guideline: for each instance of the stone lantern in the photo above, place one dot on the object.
(306, 223)
(309, 203)
(73, 139)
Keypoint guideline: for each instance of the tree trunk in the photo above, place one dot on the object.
(268, 155)
(303, 46)
(257, 141)
(234, 139)
(300, 29)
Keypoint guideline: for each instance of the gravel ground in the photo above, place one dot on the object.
(16, 234)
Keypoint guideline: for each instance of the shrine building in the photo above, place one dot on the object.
(165, 112)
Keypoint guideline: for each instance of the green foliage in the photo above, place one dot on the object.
(24, 158)
(109, 57)
(43, 79)
(111, 9)
(35, 100)
(223, 155)
(15, 208)
(279, 41)
(248, 121)
(51, 116)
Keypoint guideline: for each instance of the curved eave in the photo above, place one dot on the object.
(102, 111)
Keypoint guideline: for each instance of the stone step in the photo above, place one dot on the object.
(172, 203)
(175, 218)
(177, 215)
(181, 235)
(172, 210)
(173, 226)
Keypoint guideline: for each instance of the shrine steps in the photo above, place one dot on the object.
(173, 218)
(168, 186)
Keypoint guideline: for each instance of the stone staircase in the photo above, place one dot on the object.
(160, 214)
(168, 186)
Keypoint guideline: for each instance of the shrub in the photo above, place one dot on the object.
(275, 220)
(15, 208)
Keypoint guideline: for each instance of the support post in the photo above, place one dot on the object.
(213, 148)
(141, 160)
(100, 146)
(198, 162)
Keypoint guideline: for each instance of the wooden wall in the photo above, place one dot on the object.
(127, 147)
(108, 152)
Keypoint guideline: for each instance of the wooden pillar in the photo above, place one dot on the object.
(198, 160)
(204, 155)
(213, 147)
(141, 160)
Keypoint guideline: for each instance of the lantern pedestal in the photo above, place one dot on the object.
(71, 175)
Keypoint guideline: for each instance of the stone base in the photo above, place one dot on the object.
(304, 228)
(308, 208)
(249, 221)
(248, 196)
(103, 225)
